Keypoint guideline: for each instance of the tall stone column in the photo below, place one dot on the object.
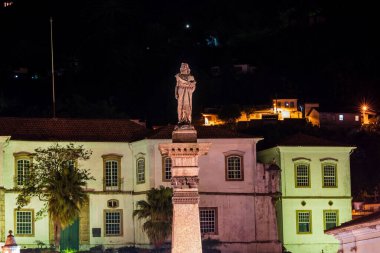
(184, 152)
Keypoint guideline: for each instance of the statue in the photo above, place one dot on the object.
(183, 93)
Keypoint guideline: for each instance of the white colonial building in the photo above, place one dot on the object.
(236, 193)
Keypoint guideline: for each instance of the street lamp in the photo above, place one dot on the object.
(364, 109)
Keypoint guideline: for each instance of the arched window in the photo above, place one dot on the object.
(329, 175)
(234, 167)
(113, 203)
(302, 174)
(111, 171)
(140, 170)
(23, 161)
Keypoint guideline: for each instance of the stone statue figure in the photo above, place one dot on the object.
(183, 93)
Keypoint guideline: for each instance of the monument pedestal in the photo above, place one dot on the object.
(186, 234)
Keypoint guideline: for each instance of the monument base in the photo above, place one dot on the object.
(184, 135)
(185, 238)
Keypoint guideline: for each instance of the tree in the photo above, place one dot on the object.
(157, 211)
(56, 179)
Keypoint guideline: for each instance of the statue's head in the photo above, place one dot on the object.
(184, 68)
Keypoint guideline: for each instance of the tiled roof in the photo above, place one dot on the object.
(59, 129)
(356, 223)
(203, 132)
(301, 139)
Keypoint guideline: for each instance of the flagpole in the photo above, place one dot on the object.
(52, 63)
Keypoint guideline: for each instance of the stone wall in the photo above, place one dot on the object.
(84, 225)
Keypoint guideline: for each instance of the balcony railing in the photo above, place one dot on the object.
(112, 184)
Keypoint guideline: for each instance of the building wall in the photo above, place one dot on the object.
(97, 196)
(313, 117)
(339, 119)
(245, 209)
(362, 239)
(314, 198)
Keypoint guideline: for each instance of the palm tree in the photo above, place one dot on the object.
(157, 211)
(56, 179)
(67, 197)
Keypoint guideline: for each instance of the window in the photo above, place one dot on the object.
(166, 169)
(302, 172)
(234, 165)
(329, 175)
(356, 118)
(113, 220)
(23, 162)
(304, 222)
(111, 173)
(341, 117)
(291, 105)
(234, 169)
(330, 218)
(24, 225)
(208, 220)
(113, 203)
(140, 170)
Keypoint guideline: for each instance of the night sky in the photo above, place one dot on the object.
(118, 58)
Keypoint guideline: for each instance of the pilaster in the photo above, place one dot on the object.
(186, 235)
(2, 214)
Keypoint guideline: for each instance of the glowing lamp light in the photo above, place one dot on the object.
(364, 108)
(187, 26)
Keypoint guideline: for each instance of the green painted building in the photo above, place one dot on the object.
(316, 191)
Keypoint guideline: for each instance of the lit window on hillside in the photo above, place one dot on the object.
(341, 117)
(356, 118)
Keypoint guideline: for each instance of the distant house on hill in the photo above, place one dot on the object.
(329, 119)
(280, 109)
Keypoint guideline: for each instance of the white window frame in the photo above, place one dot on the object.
(22, 224)
(208, 218)
(108, 223)
(140, 170)
(167, 165)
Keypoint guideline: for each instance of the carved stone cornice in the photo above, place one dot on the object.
(184, 149)
(185, 197)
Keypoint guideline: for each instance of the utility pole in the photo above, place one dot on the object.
(52, 64)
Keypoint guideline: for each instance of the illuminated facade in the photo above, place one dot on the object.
(316, 191)
(281, 109)
(235, 191)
